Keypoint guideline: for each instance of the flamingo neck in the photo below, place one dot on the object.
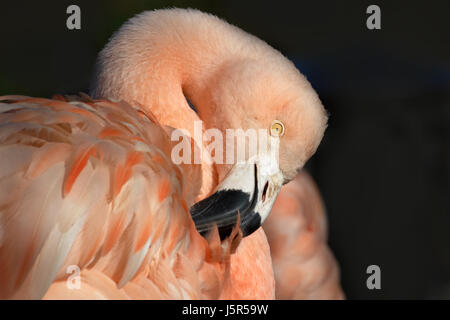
(156, 62)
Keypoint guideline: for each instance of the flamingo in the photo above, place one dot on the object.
(87, 183)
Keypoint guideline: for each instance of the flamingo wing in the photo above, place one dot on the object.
(87, 184)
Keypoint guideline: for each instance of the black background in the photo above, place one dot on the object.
(384, 164)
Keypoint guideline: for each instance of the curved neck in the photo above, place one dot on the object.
(155, 62)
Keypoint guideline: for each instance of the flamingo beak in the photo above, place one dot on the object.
(249, 190)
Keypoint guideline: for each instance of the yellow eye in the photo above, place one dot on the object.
(277, 128)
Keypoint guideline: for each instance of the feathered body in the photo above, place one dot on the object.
(90, 184)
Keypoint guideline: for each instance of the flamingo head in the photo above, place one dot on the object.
(270, 99)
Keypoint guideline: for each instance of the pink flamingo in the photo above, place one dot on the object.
(89, 185)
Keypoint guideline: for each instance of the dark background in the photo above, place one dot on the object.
(384, 164)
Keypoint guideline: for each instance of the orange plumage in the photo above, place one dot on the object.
(88, 184)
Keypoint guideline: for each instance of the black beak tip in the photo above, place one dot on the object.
(222, 209)
(251, 224)
(247, 227)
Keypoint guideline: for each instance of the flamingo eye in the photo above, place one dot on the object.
(277, 128)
